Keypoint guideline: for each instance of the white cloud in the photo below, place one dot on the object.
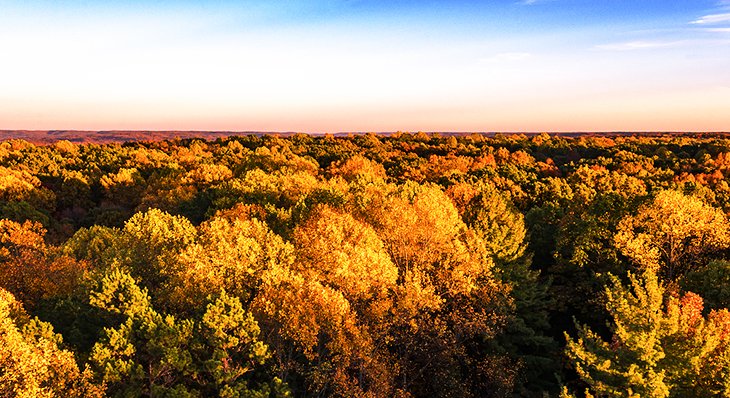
(718, 30)
(712, 19)
(640, 45)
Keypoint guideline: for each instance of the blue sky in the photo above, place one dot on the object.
(540, 65)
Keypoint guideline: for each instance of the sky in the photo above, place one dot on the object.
(351, 65)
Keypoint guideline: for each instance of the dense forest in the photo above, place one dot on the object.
(408, 265)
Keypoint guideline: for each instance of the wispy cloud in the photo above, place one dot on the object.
(713, 19)
(718, 30)
(640, 45)
(532, 2)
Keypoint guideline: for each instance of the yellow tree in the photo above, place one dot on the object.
(124, 187)
(31, 362)
(331, 306)
(337, 249)
(674, 234)
(314, 331)
(423, 233)
(448, 302)
(229, 253)
(357, 167)
(18, 186)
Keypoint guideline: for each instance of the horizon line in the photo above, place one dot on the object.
(103, 137)
(365, 131)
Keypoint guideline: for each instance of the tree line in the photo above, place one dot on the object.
(410, 265)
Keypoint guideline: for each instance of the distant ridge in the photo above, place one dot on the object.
(43, 137)
(113, 136)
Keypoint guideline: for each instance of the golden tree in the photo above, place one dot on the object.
(20, 185)
(674, 233)
(230, 254)
(447, 303)
(337, 249)
(331, 305)
(357, 167)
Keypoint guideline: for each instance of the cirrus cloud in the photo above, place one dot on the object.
(712, 19)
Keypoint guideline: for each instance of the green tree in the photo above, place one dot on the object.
(150, 240)
(32, 362)
(662, 346)
(525, 337)
(712, 282)
(153, 354)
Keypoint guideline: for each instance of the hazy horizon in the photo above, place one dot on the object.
(341, 66)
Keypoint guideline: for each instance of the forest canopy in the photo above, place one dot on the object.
(406, 265)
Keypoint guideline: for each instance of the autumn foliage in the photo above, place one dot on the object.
(402, 265)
